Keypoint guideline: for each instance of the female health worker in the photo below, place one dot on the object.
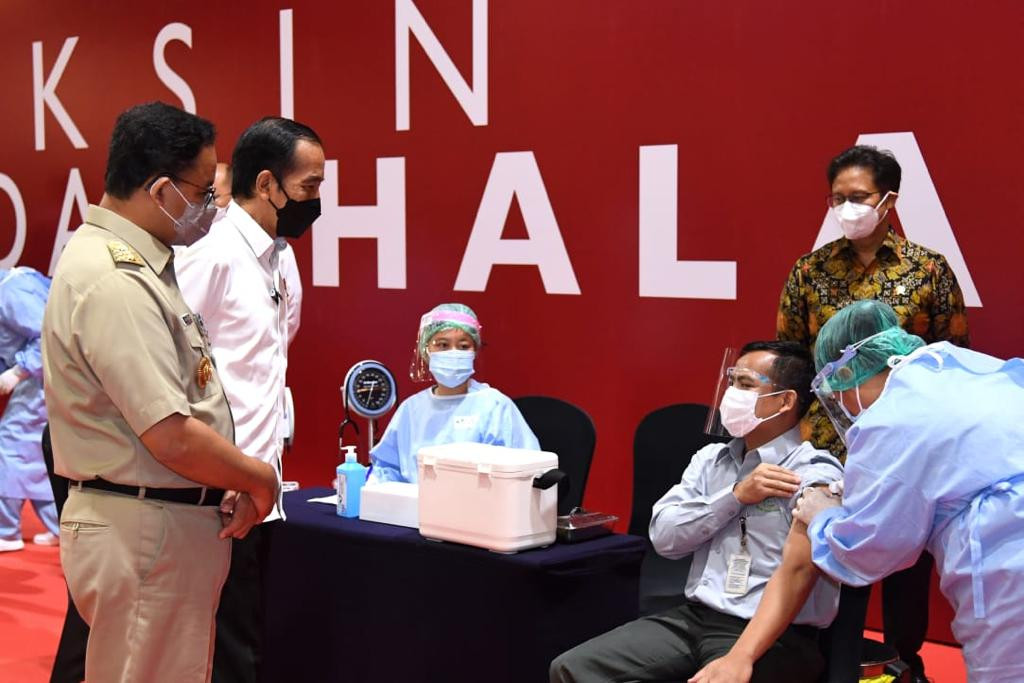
(457, 408)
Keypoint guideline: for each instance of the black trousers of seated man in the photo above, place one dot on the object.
(677, 643)
(238, 651)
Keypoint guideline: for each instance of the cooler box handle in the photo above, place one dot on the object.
(549, 479)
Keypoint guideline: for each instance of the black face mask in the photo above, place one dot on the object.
(294, 218)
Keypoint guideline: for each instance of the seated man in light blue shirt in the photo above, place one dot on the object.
(731, 512)
(457, 408)
(935, 462)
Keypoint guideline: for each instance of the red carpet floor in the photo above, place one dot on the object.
(33, 600)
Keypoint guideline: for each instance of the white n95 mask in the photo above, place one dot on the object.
(858, 220)
(737, 410)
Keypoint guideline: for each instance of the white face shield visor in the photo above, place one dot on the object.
(839, 373)
(737, 378)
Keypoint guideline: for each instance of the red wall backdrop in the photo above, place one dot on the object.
(757, 97)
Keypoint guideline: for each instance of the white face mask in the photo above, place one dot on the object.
(737, 410)
(858, 220)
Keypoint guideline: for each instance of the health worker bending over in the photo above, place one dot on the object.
(935, 438)
(458, 408)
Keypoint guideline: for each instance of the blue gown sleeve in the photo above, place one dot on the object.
(514, 432)
(22, 310)
(886, 516)
(385, 456)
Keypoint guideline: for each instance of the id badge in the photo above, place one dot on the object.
(739, 572)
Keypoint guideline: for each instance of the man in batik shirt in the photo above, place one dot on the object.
(871, 261)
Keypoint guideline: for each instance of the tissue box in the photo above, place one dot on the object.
(390, 502)
(484, 496)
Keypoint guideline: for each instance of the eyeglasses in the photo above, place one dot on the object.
(839, 368)
(208, 191)
(745, 378)
(837, 199)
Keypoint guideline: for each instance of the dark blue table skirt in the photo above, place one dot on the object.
(355, 601)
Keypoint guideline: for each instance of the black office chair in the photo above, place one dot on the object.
(664, 442)
(567, 431)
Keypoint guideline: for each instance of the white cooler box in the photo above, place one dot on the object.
(486, 496)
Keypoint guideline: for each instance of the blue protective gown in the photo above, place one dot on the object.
(23, 294)
(937, 462)
(482, 415)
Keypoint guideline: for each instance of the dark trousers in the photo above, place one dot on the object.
(904, 618)
(675, 644)
(238, 652)
(69, 662)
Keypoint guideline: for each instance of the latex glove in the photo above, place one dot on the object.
(9, 379)
(813, 501)
(728, 669)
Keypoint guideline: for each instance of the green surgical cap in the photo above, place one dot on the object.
(854, 323)
(448, 317)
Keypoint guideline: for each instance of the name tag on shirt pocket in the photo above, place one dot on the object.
(465, 421)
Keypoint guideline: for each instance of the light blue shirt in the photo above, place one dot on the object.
(482, 415)
(23, 294)
(937, 462)
(700, 515)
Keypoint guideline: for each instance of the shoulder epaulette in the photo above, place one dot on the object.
(122, 253)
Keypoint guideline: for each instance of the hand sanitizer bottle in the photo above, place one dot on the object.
(351, 477)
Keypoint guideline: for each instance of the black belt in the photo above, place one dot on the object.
(194, 496)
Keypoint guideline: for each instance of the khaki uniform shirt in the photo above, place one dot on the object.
(121, 352)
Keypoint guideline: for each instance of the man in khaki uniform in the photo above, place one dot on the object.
(138, 417)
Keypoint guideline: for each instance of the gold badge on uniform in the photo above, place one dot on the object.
(122, 253)
(204, 372)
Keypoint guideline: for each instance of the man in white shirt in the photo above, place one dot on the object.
(286, 261)
(233, 278)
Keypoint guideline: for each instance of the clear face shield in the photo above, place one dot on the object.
(730, 375)
(838, 373)
(428, 342)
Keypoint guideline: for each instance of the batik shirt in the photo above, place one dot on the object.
(917, 282)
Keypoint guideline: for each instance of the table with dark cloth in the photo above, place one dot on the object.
(355, 601)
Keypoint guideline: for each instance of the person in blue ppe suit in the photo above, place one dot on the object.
(23, 293)
(457, 408)
(935, 438)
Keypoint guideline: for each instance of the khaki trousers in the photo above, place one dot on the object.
(146, 576)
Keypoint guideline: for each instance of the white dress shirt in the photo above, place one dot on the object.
(232, 278)
(701, 516)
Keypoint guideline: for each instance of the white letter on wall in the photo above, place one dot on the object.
(473, 100)
(923, 219)
(661, 275)
(287, 70)
(47, 94)
(175, 83)
(74, 197)
(384, 222)
(20, 223)
(515, 175)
